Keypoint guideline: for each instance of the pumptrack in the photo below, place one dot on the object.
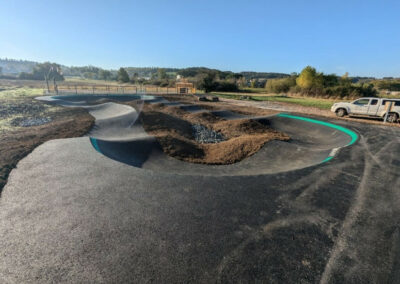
(111, 207)
(119, 136)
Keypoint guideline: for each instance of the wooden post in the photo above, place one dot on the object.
(47, 83)
(388, 107)
(76, 90)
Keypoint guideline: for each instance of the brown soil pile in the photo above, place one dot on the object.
(16, 144)
(241, 109)
(173, 129)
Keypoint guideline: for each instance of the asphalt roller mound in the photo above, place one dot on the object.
(118, 135)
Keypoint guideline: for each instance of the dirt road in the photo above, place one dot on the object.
(287, 107)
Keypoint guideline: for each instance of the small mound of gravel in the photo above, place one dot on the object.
(31, 121)
(204, 135)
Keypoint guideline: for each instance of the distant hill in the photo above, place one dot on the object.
(14, 67)
(263, 75)
(147, 72)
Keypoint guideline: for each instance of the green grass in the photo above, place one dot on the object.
(19, 103)
(303, 101)
(11, 93)
(80, 80)
(254, 90)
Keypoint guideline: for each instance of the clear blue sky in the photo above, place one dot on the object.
(361, 37)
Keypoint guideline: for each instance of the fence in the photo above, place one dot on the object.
(113, 89)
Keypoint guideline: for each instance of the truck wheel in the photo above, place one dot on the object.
(341, 112)
(392, 117)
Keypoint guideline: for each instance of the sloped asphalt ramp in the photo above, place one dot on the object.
(72, 212)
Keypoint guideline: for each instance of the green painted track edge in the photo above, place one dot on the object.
(349, 132)
(94, 143)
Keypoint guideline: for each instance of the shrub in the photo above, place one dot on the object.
(224, 86)
(316, 84)
(280, 85)
(389, 85)
(351, 92)
(123, 75)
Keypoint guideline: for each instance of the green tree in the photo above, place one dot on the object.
(280, 85)
(161, 74)
(47, 71)
(307, 78)
(330, 80)
(389, 85)
(345, 80)
(105, 75)
(208, 83)
(135, 77)
(123, 75)
(89, 75)
(242, 82)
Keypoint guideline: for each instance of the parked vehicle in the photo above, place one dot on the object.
(373, 107)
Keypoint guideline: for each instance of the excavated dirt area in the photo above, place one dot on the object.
(46, 122)
(25, 123)
(173, 128)
(221, 105)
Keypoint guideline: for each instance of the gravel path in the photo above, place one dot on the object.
(280, 107)
(286, 107)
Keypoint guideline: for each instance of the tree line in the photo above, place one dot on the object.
(317, 84)
(309, 82)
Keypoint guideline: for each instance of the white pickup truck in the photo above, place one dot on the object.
(373, 107)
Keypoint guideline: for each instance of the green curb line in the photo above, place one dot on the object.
(349, 132)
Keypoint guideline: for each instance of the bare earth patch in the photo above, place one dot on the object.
(16, 143)
(173, 129)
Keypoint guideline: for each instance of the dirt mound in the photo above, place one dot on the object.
(173, 129)
(16, 144)
(159, 122)
(222, 105)
(236, 128)
(204, 118)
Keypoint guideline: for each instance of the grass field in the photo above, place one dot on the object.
(79, 80)
(10, 93)
(20, 88)
(303, 101)
(254, 90)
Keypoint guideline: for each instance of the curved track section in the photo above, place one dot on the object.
(118, 135)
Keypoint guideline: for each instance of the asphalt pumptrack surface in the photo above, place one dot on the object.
(113, 207)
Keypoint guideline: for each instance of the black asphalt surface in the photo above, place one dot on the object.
(310, 144)
(71, 214)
